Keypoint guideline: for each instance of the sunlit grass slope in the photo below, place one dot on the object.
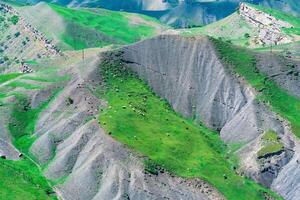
(96, 28)
(22, 180)
(147, 124)
(233, 28)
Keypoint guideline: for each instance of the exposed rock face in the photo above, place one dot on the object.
(269, 27)
(73, 144)
(173, 66)
(283, 70)
(188, 73)
(287, 182)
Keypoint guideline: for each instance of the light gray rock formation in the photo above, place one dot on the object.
(284, 71)
(269, 27)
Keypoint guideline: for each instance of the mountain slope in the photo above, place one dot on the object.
(168, 117)
(230, 106)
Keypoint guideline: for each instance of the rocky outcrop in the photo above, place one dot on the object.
(269, 27)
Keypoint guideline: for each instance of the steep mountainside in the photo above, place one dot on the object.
(98, 104)
(222, 101)
(83, 162)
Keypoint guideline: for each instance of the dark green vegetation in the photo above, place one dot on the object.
(271, 144)
(147, 124)
(7, 77)
(97, 28)
(14, 19)
(243, 62)
(294, 21)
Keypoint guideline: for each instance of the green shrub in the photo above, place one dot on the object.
(14, 19)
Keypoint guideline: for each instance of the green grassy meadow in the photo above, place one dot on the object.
(147, 124)
(22, 180)
(6, 77)
(111, 27)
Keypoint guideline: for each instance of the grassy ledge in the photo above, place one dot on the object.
(271, 144)
(243, 62)
(147, 124)
(7, 77)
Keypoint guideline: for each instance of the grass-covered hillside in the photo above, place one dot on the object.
(23, 180)
(143, 121)
(73, 28)
(233, 28)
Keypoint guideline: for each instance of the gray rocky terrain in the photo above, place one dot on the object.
(285, 71)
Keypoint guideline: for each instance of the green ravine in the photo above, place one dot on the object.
(243, 62)
(23, 177)
(148, 125)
